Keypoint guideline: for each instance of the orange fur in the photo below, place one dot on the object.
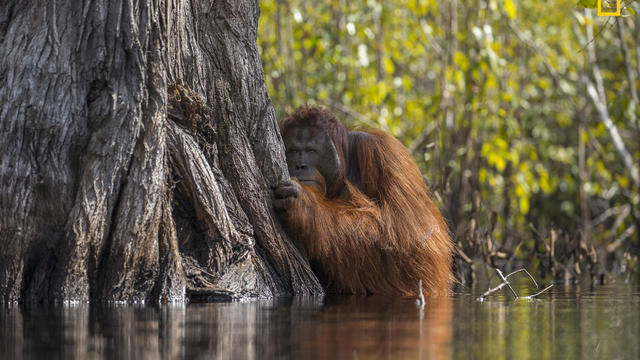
(380, 236)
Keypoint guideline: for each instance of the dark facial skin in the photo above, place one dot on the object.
(311, 156)
(312, 159)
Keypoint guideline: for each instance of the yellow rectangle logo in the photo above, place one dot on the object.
(606, 8)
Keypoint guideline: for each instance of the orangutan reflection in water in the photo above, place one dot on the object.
(356, 327)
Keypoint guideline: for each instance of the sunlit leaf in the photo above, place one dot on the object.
(510, 8)
(461, 60)
(523, 202)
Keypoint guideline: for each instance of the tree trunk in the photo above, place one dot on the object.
(137, 152)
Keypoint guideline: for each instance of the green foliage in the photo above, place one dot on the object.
(488, 95)
(590, 4)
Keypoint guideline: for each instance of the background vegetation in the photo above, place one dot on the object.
(522, 114)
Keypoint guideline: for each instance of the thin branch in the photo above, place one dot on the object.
(627, 62)
(432, 41)
(621, 239)
(618, 143)
(462, 255)
(504, 283)
(596, 36)
(491, 291)
(350, 112)
(504, 279)
(538, 293)
(597, 94)
(534, 44)
(609, 213)
(525, 270)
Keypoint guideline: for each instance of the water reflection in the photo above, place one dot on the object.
(568, 323)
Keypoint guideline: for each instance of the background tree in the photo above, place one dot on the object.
(137, 150)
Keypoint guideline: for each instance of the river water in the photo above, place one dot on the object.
(566, 322)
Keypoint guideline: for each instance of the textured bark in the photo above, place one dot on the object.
(138, 148)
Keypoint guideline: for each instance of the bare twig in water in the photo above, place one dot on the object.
(491, 291)
(505, 282)
(530, 277)
(504, 279)
(538, 293)
(420, 300)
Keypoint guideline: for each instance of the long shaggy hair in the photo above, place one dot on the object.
(383, 233)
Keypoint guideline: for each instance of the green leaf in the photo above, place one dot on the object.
(510, 8)
(461, 60)
(524, 205)
(590, 4)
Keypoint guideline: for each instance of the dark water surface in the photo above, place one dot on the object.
(570, 322)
